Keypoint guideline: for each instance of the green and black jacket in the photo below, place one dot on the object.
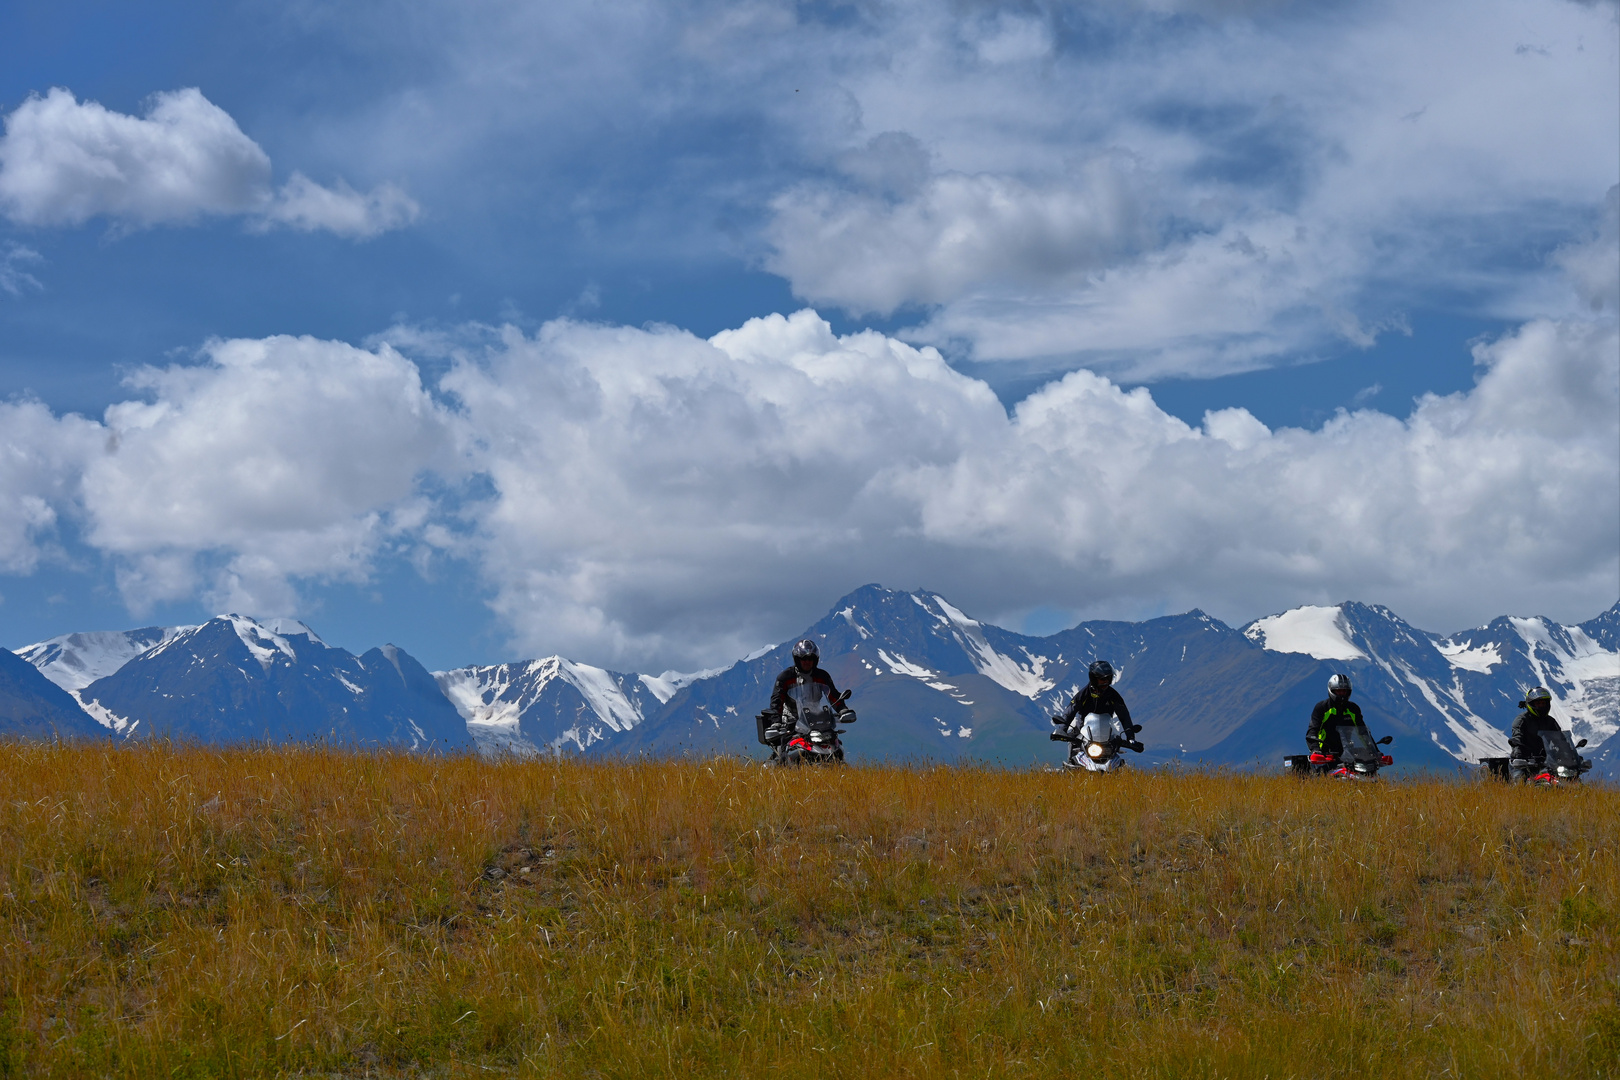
(1326, 719)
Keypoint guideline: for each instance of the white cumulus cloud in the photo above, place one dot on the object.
(649, 499)
(274, 460)
(42, 458)
(1286, 178)
(662, 497)
(64, 162)
(868, 253)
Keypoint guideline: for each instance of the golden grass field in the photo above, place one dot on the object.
(173, 912)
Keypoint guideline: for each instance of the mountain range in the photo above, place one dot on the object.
(235, 679)
(929, 683)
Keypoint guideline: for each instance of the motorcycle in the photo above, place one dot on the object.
(812, 737)
(1358, 759)
(1098, 742)
(1563, 765)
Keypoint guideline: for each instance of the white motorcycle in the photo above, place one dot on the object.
(1096, 742)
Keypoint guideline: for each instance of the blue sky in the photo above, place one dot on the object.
(1109, 309)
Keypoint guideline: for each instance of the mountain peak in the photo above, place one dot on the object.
(267, 638)
(1325, 633)
(867, 594)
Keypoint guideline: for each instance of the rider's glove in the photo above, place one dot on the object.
(1138, 747)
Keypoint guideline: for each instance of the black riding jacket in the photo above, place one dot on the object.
(786, 681)
(1094, 699)
(1326, 718)
(1526, 737)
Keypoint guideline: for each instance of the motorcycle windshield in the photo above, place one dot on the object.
(1357, 743)
(1098, 729)
(1560, 751)
(815, 711)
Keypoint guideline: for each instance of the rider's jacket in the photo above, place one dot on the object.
(1526, 737)
(1326, 718)
(781, 692)
(1094, 699)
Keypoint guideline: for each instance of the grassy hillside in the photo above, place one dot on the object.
(169, 912)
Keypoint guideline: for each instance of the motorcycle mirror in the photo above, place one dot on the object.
(1580, 744)
(1386, 740)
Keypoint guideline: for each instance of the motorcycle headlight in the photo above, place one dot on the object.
(1565, 770)
(1095, 750)
(1361, 766)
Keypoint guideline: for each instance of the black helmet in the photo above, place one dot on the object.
(1537, 696)
(806, 650)
(1339, 684)
(1100, 670)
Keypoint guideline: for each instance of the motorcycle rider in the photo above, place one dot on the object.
(1529, 755)
(1098, 696)
(805, 671)
(1322, 737)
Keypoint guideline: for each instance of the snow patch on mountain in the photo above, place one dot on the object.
(999, 668)
(601, 692)
(1322, 632)
(513, 708)
(493, 721)
(74, 661)
(901, 666)
(264, 642)
(665, 686)
(1481, 659)
(849, 617)
(286, 626)
(104, 716)
(1476, 738)
(1582, 676)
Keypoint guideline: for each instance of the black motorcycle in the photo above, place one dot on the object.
(811, 738)
(1358, 759)
(1561, 764)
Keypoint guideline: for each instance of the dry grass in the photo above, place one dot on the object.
(188, 912)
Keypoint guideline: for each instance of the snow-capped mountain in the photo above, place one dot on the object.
(1463, 691)
(929, 681)
(33, 707)
(933, 683)
(74, 661)
(236, 679)
(549, 704)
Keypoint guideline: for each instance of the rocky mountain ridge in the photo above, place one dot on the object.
(929, 681)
